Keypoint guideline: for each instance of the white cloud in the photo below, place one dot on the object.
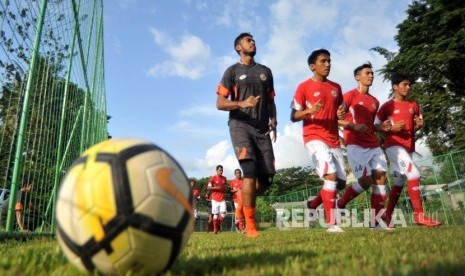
(218, 154)
(240, 14)
(189, 57)
(289, 148)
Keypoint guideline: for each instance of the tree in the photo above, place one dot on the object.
(293, 179)
(432, 51)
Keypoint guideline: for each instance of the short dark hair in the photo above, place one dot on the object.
(357, 70)
(397, 77)
(237, 170)
(218, 167)
(314, 55)
(239, 38)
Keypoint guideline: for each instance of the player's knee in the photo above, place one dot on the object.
(399, 179)
(331, 176)
(265, 180)
(341, 184)
(414, 174)
(248, 168)
(365, 182)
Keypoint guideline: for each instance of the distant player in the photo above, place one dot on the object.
(217, 185)
(405, 118)
(208, 200)
(236, 186)
(196, 197)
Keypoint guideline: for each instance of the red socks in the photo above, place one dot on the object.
(316, 201)
(378, 197)
(414, 194)
(328, 195)
(350, 193)
(249, 213)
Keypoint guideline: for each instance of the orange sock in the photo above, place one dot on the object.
(239, 211)
(249, 213)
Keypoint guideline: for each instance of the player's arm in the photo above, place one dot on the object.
(214, 188)
(225, 104)
(361, 128)
(387, 126)
(299, 115)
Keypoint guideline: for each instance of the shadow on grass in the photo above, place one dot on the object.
(441, 269)
(225, 263)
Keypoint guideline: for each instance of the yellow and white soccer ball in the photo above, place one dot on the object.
(124, 205)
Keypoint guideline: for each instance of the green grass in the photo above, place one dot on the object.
(406, 251)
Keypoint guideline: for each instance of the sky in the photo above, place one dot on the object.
(164, 61)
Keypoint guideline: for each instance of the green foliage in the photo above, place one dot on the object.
(432, 51)
(293, 179)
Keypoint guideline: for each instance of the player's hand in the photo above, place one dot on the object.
(250, 102)
(341, 113)
(272, 131)
(419, 123)
(398, 126)
(386, 126)
(316, 107)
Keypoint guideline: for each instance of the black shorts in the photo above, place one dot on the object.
(251, 144)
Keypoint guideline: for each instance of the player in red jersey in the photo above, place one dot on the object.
(366, 158)
(217, 185)
(247, 91)
(208, 202)
(196, 197)
(405, 118)
(236, 186)
(316, 103)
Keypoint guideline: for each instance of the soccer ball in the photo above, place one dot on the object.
(124, 206)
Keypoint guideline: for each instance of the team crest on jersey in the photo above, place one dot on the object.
(396, 111)
(263, 77)
(373, 105)
(334, 93)
(316, 94)
(242, 77)
(411, 110)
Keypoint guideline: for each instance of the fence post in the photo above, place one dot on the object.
(24, 118)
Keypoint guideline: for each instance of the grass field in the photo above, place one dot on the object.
(406, 251)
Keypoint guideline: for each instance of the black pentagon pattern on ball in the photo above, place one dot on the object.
(125, 215)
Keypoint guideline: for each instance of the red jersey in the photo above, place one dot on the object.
(196, 193)
(360, 109)
(397, 111)
(320, 126)
(237, 185)
(218, 181)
